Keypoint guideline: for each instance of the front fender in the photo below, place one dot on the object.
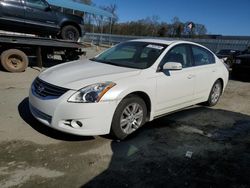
(121, 90)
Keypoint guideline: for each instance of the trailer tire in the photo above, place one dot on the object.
(70, 32)
(14, 60)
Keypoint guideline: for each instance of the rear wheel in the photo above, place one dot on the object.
(129, 116)
(70, 32)
(215, 94)
(14, 60)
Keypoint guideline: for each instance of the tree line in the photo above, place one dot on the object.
(150, 26)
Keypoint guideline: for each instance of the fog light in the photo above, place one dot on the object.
(76, 124)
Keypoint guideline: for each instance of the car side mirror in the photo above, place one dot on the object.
(172, 66)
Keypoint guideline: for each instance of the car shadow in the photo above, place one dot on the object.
(196, 147)
(33, 64)
(24, 112)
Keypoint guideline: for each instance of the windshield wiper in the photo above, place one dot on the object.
(112, 63)
(103, 61)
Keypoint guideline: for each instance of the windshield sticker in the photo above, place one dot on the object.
(155, 46)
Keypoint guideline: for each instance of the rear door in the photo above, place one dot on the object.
(205, 70)
(11, 10)
(37, 13)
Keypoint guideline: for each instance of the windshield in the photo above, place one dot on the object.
(140, 55)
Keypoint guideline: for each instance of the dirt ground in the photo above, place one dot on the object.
(196, 147)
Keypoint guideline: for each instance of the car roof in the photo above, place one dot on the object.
(169, 42)
(162, 41)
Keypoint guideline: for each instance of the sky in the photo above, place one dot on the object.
(225, 17)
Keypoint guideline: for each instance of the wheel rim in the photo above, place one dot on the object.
(131, 118)
(216, 93)
(15, 61)
(71, 35)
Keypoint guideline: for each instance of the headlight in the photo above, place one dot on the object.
(92, 93)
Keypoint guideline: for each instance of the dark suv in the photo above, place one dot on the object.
(38, 17)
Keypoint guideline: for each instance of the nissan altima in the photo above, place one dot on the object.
(130, 84)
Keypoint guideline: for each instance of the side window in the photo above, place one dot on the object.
(178, 54)
(202, 56)
(36, 4)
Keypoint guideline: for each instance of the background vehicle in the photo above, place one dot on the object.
(241, 67)
(124, 87)
(16, 50)
(228, 55)
(38, 17)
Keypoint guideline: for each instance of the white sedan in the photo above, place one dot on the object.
(126, 86)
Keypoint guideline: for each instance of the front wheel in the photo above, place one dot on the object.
(70, 32)
(215, 94)
(129, 116)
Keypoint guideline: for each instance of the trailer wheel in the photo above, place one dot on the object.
(70, 32)
(14, 60)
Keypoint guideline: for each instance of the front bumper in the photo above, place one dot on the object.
(96, 118)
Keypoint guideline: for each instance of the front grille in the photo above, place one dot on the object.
(48, 91)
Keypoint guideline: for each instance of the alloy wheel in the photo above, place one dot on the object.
(131, 118)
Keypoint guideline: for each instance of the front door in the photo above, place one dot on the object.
(12, 11)
(37, 13)
(175, 89)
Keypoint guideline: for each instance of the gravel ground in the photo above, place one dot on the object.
(195, 147)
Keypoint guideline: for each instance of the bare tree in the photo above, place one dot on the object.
(200, 29)
(112, 8)
(177, 27)
(162, 31)
(149, 26)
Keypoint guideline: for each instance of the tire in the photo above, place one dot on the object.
(215, 94)
(70, 32)
(14, 60)
(132, 111)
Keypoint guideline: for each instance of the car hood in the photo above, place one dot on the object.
(78, 74)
